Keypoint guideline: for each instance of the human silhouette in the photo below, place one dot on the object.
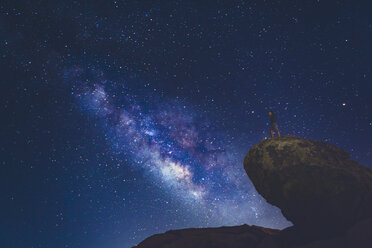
(273, 124)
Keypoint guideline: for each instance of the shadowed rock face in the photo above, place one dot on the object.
(317, 187)
(235, 237)
(358, 236)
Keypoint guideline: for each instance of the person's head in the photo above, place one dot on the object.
(270, 112)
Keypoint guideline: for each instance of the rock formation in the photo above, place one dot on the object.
(327, 196)
(315, 184)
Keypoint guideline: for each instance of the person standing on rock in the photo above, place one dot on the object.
(273, 124)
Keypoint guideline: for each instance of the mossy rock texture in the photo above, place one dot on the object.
(315, 184)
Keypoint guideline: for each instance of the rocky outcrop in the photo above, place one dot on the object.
(223, 237)
(327, 196)
(315, 184)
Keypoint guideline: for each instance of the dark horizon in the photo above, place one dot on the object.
(123, 119)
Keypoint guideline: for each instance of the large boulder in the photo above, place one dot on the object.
(222, 237)
(315, 184)
(327, 196)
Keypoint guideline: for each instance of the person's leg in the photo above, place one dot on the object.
(272, 133)
(277, 132)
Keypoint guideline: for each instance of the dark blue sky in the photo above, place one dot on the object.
(122, 119)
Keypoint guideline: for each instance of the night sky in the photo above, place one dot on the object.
(123, 119)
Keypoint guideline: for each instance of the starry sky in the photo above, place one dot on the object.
(123, 119)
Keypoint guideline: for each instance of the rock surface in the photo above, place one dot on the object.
(327, 196)
(315, 184)
(235, 237)
(359, 236)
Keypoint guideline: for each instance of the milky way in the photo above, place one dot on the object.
(180, 152)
